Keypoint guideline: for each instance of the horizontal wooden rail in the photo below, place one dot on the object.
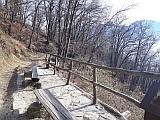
(94, 81)
(119, 70)
(38, 59)
(64, 69)
(134, 101)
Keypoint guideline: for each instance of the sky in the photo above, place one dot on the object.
(144, 9)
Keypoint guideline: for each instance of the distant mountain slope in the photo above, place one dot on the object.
(155, 26)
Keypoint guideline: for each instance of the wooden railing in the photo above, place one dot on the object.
(94, 81)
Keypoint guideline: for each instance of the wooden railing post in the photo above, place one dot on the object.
(94, 86)
(48, 62)
(46, 57)
(55, 63)
(69, 74)
(63, 63)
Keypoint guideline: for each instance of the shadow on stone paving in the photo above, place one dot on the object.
(7, 112)
(37, 111)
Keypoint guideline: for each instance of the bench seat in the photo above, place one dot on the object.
(52, 105)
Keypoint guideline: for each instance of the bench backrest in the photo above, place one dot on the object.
(35, 77)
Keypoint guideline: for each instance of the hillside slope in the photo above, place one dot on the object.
(11, 51)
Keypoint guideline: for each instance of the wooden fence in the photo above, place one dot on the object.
(94, 80)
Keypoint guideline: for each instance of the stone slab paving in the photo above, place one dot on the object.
(73, 99)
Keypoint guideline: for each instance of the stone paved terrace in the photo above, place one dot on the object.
(70, 96)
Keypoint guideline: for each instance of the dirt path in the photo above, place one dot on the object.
(8, 85)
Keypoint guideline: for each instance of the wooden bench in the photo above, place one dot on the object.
(52, 105)
(27, 74)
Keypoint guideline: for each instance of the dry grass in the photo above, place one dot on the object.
(11, 51)
(22, 33)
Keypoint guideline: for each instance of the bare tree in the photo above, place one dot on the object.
(34, 22)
